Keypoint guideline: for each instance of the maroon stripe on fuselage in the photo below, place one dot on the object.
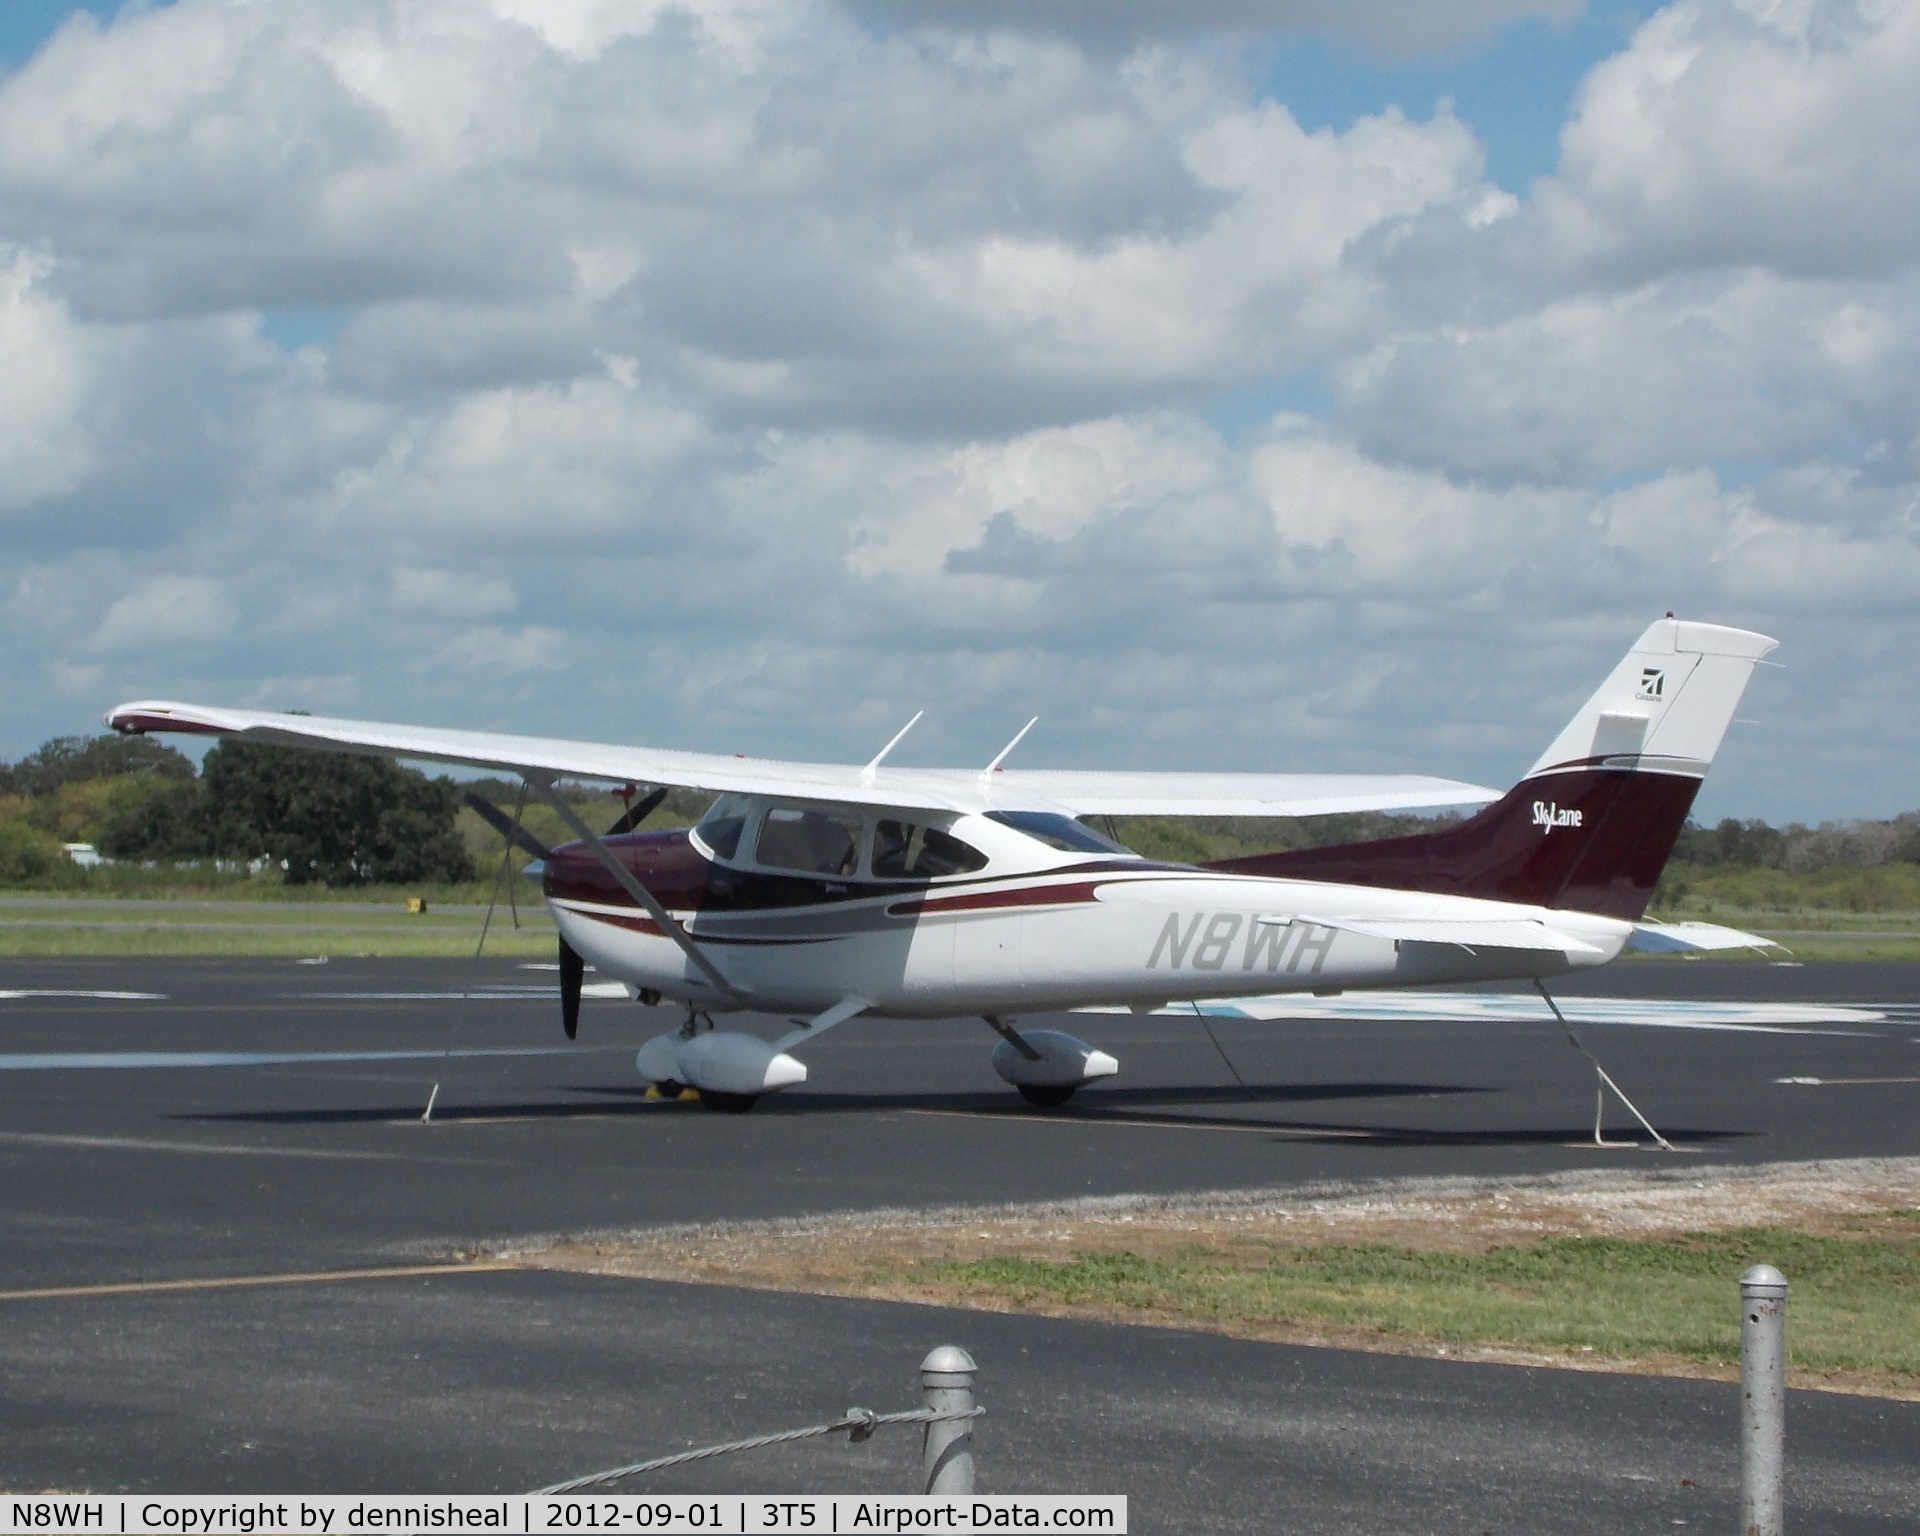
(1017, 896)
(1608, 863)
(683, 879)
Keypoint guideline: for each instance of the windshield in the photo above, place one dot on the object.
(1061, 832)
(721, 827)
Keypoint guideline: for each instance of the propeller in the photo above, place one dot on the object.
(572, 967)
(572, 970)
(638, 812)
(507, 827)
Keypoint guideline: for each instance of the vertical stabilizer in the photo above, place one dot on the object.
(1666, 706)
(1590, 826)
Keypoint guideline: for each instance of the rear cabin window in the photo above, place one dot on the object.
(1061, 832)
(811, 842)
(721, 827)
(903, 850)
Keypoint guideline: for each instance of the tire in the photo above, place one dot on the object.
(1049, 1097)
(729, 1103)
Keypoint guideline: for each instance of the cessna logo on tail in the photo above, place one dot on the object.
(1653, 683)
(1547, 816)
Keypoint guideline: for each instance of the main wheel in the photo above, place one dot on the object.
(1049, 1097)
(728, 1103)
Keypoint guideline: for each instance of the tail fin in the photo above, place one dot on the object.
(1590, 826)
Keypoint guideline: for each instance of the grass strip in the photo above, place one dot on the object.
(1854, 1308)
(400, 937)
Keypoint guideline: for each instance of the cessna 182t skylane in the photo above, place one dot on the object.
(830, 892)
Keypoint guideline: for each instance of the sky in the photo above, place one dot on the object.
(1244, 384)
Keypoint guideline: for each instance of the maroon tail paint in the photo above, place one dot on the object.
(1591, 839)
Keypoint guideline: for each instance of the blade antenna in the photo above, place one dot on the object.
(867, 773)
(1599, 1100)
(993, 767)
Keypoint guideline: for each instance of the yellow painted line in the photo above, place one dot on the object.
(1151, 1125)
(238, 1282)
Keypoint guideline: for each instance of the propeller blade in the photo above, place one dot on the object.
(636, 813)
(505, 825)
(572, 970)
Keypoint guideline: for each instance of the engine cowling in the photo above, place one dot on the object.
(736, 1064)
(1064, 1064)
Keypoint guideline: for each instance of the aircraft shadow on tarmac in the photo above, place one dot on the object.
(1197, 1108)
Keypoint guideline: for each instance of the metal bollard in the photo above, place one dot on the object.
(1763, 1401)
(946, 1376)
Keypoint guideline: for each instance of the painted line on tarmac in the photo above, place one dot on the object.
(213, 1148)
(1840, 1082)
(53, 1061)
(1127, 1122)
(241, 1282)
(15, 994)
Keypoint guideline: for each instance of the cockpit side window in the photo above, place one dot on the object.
(1061, 832)
(721, 827)
(811, 841)
(904, 850)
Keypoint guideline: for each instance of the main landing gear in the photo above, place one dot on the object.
(728, 1069)
(1045, 1066)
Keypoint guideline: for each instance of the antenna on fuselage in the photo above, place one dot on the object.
(994, 766)
(866, 773)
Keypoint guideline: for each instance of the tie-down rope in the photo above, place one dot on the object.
(858, 1422)
(1599, 1099)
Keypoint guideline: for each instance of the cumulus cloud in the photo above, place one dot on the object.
(163, 612)
(1392, 28)
(749, 373)
(45, 364)
(1733, 132)
(451, 594)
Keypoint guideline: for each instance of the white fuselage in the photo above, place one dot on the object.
(1039, 928)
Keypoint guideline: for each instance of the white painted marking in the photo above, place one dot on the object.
(485, 995)
(95, 1060)
(1473, 1007)
(136, 1144)
(105, 997)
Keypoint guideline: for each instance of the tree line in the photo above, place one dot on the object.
(316, 817)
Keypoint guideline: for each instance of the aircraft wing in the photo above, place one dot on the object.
(937, 789)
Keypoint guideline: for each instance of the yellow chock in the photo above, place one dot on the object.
(417, 905)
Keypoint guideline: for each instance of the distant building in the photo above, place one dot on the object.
(84, 854)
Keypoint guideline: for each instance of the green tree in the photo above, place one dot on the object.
(332, 818)
(149, 816)
(79, 759)
(27, 851)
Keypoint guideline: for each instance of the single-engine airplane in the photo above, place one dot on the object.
(828, 892)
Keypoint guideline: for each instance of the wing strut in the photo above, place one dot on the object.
(543, 787)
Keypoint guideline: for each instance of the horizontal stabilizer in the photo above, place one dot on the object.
(1467, 933)
(1525, 1007)
(1671, 938)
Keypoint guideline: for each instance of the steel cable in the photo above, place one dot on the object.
(860, 1422)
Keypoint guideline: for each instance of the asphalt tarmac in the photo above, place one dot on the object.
(256, 1118)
